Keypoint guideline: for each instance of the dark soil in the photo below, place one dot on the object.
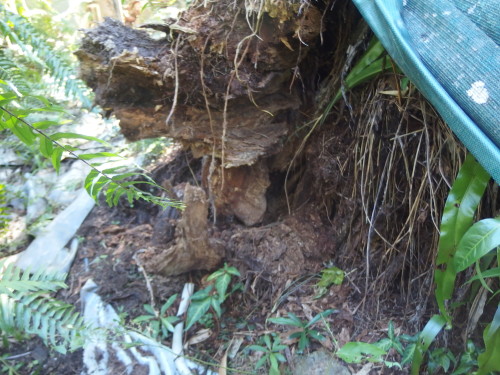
(279, 263)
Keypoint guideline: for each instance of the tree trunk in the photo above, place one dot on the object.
(241, 83)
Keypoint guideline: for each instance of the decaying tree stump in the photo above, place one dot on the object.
(192, 248)
(232, 80)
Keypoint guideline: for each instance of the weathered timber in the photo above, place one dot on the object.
(226, 84)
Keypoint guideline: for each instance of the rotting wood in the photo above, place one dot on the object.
(242, 108)
(192, 250)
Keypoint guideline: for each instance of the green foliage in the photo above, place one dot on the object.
(490, 359)
(373, 62)
(158, 324)
(114, 182)
(458, 215)
(27, 307)
(29, 57)
(211, 297)
(306, 332)
(462, 244)
(271, 353)
(3, 208)
(357, 352)
(329, 276)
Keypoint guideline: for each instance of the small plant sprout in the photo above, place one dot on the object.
(212, 296)
(305, 332)
(159, 325)
(271, 353)
(329, 276)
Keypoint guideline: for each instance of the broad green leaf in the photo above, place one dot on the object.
(56, 158)
(196, 311)
(274, 368)
(370, 65)
(425, 338)
(46, 147)
(215, 303)
(287, 321)
(221, 284)
(458, 215)
(461, 204)
(479, 240)
(356, 352)
(267, 341)
(490, 360)
(24, 133)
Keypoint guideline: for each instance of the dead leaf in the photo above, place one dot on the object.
(223, 365)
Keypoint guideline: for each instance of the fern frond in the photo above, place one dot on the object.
(9, 71)
(40, 55)
(26, 306)
(16, 279)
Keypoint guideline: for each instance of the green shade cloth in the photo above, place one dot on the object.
(449, 50)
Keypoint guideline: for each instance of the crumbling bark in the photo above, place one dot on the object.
(233, 81)
(225, 82)
(192, 249)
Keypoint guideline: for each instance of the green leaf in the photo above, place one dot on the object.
(149, 309)
(56, 158)
(479, 240)
(425, 338)
(291, 321)
(261, 362)
(461, 204)
(274, 368)
(257, 348)
(490, 360)
(319, 316)
(142, 318)
(196, 311)
(46, 147)
(168, 322)
(330, 276)
(370, 65)
(221, 284)
(458, 215)
(355, 352)
(167, 304)
(68, 135)
(215, 303)
(24, 133)
(96, 155)
(493, 272)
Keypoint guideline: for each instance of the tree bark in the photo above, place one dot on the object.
(234, 81)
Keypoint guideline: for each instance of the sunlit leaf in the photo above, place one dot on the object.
(480, 239)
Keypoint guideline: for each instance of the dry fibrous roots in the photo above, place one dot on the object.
(240, 83)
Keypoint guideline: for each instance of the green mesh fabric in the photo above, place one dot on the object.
(449, 49)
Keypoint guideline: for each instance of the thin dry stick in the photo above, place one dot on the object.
(211, 168)
(148, 283)
(176, 92)
(224, 130)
